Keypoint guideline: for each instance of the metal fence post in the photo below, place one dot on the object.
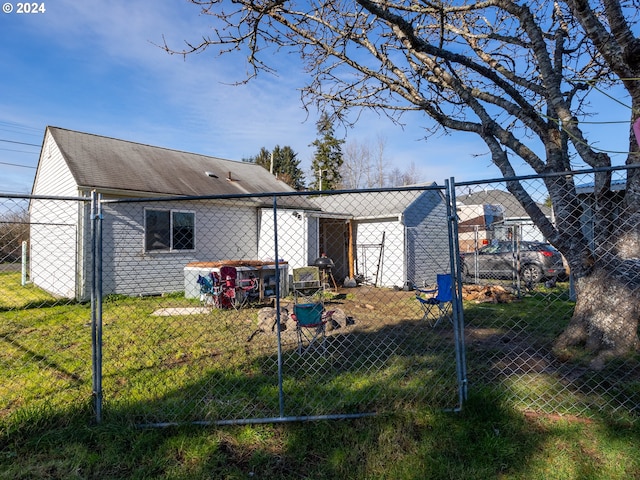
(96, 301)
(277, 304)
(458, 314)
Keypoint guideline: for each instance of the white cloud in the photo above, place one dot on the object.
(106, 76)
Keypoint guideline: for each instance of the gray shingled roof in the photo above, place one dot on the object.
(110, 164)
(369, 204)
(512, 208)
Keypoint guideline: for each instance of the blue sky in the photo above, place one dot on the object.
(94, 66)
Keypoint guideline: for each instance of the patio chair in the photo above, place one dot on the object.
(436, 304)
(209, 290)
(311, 320)
(228, 284)
(248, 290)
(307, 285)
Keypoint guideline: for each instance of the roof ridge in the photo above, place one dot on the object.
(147, 145)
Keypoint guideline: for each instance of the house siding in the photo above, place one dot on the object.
(427, 239)
(53, 246)
(54, 239)
(386, 269)
(298, 242)
(222, 232)
(53, 176)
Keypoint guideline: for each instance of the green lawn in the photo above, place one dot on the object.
(177, 366)
(487, 440)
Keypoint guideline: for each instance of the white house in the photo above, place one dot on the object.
(146, 243)
(394, 238)
(164, 210)
(493, 214)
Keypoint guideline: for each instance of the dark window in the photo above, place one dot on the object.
(182, 231)
(169, 230)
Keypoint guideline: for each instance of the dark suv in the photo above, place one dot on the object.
(536, 261)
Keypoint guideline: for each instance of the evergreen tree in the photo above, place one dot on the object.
(286, 166)
(327, 160)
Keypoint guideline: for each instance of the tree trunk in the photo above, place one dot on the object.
(606, 316)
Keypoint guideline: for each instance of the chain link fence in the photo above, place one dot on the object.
(520, 295)
(189, 307)
(218, 352)
(45, 335)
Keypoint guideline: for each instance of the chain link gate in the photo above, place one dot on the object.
(165, 352)
(196, 356)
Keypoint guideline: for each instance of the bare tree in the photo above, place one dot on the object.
(411, 175)
(516, 74)
(355, 169)
(366, 165)
(14, 229)
(380, 163)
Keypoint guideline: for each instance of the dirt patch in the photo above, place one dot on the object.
(487, 294)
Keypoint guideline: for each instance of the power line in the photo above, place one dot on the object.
(20, 143)
(17, 151)
(17, 165)
(19, 129)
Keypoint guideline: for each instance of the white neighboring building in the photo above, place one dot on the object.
(397, 238)
(494, 214)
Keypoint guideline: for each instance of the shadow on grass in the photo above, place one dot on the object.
(510, 349)
(392, 367)
(487, 440)
(410, 438)
(32, 356)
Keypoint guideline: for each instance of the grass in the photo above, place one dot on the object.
(201, 367)
(487, 440)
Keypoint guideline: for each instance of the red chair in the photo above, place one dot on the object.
(228, 283)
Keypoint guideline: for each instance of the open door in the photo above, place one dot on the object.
(334, 241)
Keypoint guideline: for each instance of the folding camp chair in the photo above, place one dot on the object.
(247, 290)
(306, 284)
(228, 283)
(311, 321)
(437, 303)
(209, 290)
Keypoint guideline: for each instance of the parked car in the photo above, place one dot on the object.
(534, 261)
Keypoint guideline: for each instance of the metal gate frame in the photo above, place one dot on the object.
(96, 320)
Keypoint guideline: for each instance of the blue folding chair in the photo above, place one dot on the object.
(209, 291)
(437, 303)
(311, 320)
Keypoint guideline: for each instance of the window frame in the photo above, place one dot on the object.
(171, 233)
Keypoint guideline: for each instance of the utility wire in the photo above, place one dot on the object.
(20, 143)
(592, 83)
(17, 151)
(17, 165)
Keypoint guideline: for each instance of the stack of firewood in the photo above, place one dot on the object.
(487, 294)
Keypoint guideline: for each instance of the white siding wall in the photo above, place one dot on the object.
(297, 237)
(222, 232)
(54, 231)
(53, 177)
(391, 270)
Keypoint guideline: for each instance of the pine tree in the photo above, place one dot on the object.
(327, 159)
(285, 165)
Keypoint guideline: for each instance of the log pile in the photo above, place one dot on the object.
(487, 294)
